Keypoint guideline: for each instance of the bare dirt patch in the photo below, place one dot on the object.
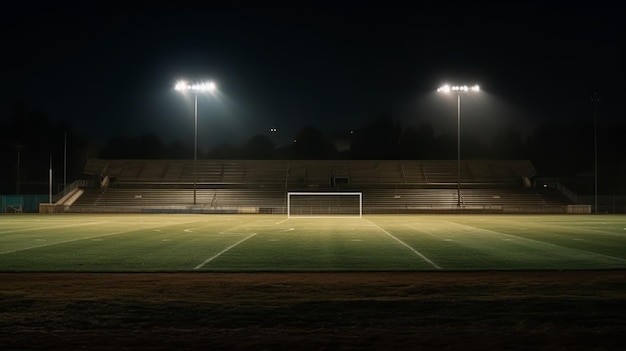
(578, 310)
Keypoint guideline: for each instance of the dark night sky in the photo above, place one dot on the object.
(110, 69)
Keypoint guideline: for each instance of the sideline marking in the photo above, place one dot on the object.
(76, 239)
(523, 238)
(223, 251)
(593, 253)
(73, 224)
(407, 246)
(94, 238)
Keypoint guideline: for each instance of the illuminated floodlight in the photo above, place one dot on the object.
(196, 87)
(181, 85)
(458, 88)
(444, 89)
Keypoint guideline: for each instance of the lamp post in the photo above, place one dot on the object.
(458, 90)
(17, 184)
(595, 99)
(202, 87)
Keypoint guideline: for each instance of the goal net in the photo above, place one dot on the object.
(324, 204)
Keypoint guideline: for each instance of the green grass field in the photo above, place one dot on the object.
(233, 243)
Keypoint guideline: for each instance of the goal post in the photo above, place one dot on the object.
(324, 204)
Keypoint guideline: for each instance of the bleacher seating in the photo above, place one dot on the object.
(413, 172)
(397, 186)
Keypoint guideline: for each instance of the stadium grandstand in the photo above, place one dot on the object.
(262, 186)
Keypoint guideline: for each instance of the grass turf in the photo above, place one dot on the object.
(174, 243)
(439, 289)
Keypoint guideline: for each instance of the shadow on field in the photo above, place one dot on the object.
(574, 310)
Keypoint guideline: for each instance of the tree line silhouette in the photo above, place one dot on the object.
(30, 141)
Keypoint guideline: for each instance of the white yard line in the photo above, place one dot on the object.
(283, 221)
(72, 240)
(521, 238)
(407, 246)
(223, 251)
(63, 242)
(563, 247)
(48, 228)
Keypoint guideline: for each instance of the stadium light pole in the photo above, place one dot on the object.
(595, 99)
(203, 87)
(458, 90)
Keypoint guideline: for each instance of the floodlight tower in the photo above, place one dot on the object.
(196, 88)
(458, 90)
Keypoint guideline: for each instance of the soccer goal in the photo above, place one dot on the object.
(324, 204)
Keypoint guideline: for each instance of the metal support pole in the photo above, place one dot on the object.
(65, 161)
(17, 180)
(595, 165)
(50, 182)
(595, 100)
(195, 149)
(458, 146)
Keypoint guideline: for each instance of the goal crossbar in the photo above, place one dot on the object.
(357, 207)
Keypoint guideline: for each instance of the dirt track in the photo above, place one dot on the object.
(313, 311)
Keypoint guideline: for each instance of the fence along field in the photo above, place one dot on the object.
(171, 243)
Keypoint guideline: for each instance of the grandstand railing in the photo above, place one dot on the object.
(483, 209)
(73, 186)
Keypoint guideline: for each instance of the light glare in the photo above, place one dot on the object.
(458, 88)
(181, 85)
(197, 87)
(444, 89)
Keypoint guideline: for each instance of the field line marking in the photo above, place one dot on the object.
(283, 221)
(75, 239)
(565, 247)
(583, 229)
(223, 251)
(63, 242)
(47, 228)
(406, 245)
(544, 242)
